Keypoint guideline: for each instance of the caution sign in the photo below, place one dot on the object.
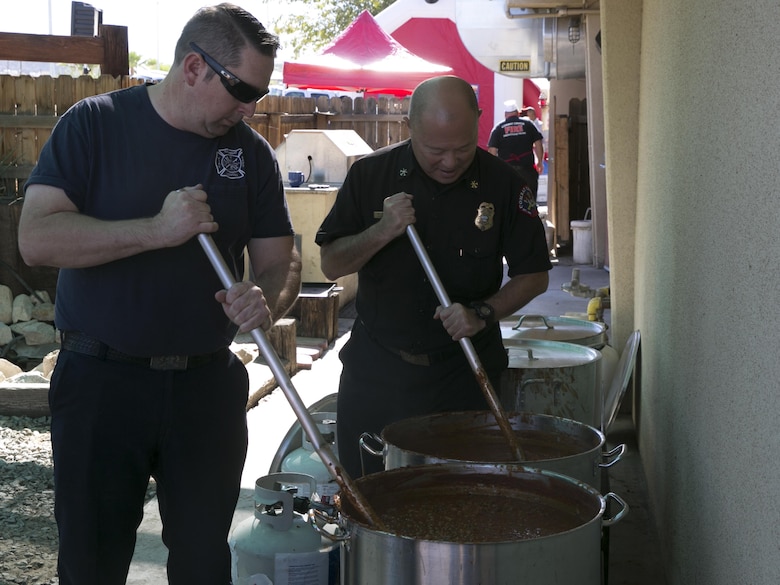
(520, 66)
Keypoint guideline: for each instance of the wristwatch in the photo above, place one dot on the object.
(484, 311)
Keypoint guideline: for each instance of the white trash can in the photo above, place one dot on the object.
(582, 231)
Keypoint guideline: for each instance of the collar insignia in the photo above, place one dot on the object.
(403, 172)
(474, 184)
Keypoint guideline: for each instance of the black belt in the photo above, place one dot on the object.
(425, 359)
(84, 344)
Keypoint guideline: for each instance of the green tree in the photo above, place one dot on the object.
(134, 59)
(318, 22)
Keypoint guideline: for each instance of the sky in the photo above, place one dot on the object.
(153, 26)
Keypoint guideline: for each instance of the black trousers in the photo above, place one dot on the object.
(113, 426)
(378, 388)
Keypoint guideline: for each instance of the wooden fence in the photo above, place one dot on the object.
(30, 106)
(378, 121)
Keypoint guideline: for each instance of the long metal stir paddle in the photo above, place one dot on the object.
(468, 347)
(321, 446)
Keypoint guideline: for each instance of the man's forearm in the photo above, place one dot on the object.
(281, 286)
(349, 254)
(518, 292)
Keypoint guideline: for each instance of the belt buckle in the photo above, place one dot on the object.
(168, 362)
(418, 359)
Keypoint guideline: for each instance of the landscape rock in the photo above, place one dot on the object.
(9, 369)
(41, 297)
(6, 335)
(48, 363)
(43, 312)
(22, 308)
(35, 332)
(31, 377)
(6, 304)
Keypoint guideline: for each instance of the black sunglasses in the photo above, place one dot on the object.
(240, 90)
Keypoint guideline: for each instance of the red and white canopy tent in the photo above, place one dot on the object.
(362, 58)
(437, 38)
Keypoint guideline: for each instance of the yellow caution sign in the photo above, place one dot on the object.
(519, 66)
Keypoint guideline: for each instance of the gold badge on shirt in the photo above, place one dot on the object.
(485, 213)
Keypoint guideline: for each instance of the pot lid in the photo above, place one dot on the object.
(619, 384)
(534, 354)
(546, 328)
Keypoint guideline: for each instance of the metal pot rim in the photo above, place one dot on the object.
(519, 474)
(596, 438)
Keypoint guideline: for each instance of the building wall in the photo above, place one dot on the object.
(621, 24)
(705, 288)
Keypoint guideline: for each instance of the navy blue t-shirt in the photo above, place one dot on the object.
(116, 158)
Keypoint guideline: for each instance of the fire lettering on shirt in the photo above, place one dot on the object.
(514, 130)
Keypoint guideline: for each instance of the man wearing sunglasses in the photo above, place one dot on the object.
(145, 384)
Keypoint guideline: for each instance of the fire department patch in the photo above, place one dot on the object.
(527, 203)
(230, 163)
(485, 213)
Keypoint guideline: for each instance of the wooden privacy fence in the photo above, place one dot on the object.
(30, 106)
(378, 121)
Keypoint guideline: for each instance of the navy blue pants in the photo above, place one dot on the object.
(378, 388)
(113, 426)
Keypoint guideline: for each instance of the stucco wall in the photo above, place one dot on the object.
(706, 282)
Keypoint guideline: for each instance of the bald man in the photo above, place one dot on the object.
(471, 211)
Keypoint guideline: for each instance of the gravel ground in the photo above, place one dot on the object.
(28, 532)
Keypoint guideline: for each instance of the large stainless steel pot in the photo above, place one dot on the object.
(457, 524)
(548, 442)
(556, 378)
(569, 330)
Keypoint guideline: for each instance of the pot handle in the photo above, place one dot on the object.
(620, 514)
(559, 388)
(342, 536)
(368, 448)
(617, 452)
(529, 317)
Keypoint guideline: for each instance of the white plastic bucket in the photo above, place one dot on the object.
(582, 231)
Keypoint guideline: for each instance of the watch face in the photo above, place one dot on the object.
(484, 311)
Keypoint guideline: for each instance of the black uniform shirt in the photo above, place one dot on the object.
(514, 138)
(467, 227)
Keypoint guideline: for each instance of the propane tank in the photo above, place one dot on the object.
(277, 545)
(305, 459)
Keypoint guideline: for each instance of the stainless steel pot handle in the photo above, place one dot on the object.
(344, 535)
(368, 448)
(364, 446)
(620, 514)
(559, 387)
(617, 452)
(542, 318)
